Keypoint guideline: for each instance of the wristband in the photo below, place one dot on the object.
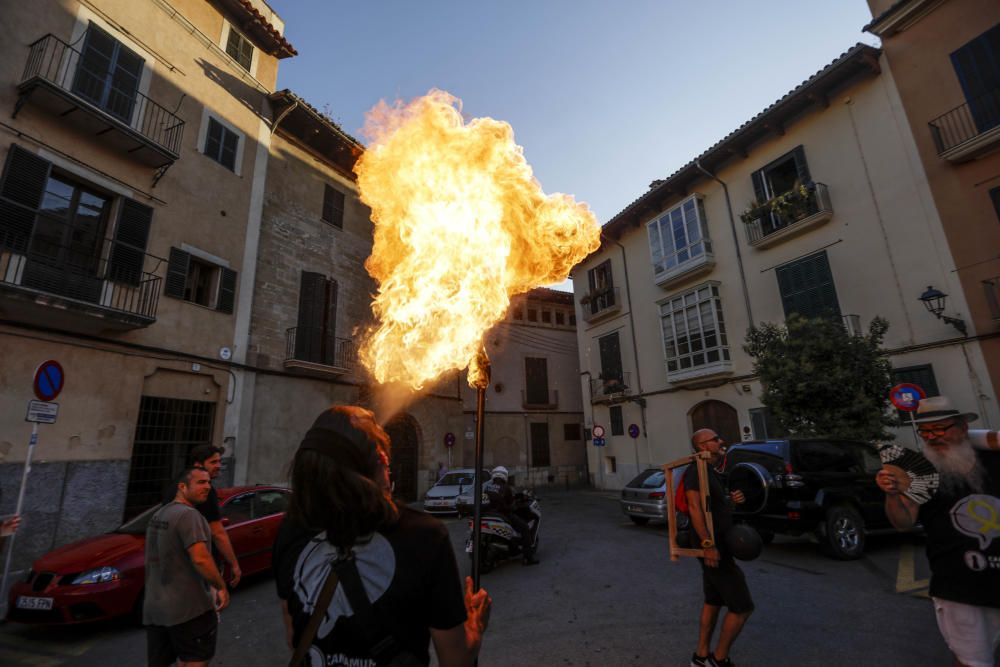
(707, 544)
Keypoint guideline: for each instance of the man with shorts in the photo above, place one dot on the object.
(209, 459)
(722, 579)
(963, 531)
(184, 590)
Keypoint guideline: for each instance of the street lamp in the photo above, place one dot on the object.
(934, 302)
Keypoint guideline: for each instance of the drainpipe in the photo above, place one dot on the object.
(736, 240)
(635, 355)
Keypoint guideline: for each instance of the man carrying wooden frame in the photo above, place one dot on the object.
(711, 518)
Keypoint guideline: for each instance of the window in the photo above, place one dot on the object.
(823, 456)
(694, 332)
(547, 316)
(782, 175)
(617, 423)
(536, 381)
(269, 503)
(560, 318)
(540, 444)
(316, 327)
(602, 289)
(572, 319)
(532, 315)
(239, 509)
(611, 362)
(977, 65)
(922, 376)
(200, 281)
(108, 74)
(678, 237)
(518, 312)
(240, 49)
(610, 465)
(571, 431)
(807, 288)
(222, 144)
(333, 206)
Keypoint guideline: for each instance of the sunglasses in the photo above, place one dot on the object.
(934, 432)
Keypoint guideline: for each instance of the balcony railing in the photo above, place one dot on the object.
(102, 278)
(148, 130)
(602, 389)
(768, 225)
(307, 345)
(540, 399)
(599, 304)
(969, 129)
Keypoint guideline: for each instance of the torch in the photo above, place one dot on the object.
(480, 376)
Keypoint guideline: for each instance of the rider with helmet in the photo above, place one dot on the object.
(501, 498)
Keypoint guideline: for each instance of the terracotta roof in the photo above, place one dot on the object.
(547, 294)
(334, 126)
(265, 31)
(810, 92)
(892, 9)
(296, 118)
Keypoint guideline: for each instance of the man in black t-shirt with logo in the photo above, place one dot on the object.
(722, 579)
(209, 459)
(962, 521)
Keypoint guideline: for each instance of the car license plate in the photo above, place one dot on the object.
(634, 508)
(24, 602)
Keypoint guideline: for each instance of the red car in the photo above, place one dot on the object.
(103, 577)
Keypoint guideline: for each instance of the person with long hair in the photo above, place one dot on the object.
(342, 519)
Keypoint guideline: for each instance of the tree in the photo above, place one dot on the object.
(820, 381)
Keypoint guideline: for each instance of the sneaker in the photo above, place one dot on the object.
(699, 660)
(715, 662)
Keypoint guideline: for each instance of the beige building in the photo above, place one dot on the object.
(534, 409)
(665, 303)
(129, 214)
(944, 57)
(312, 300)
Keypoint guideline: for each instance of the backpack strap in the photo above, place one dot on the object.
(322, 604)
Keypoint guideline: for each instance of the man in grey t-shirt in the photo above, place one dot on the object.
(180, 609)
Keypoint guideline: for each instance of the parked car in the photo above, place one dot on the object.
(104, 576)
(645, 497)
(799, 486)
(464, 502)
(442, 498)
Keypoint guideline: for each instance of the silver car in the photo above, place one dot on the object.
(645, 497)
(441, 498)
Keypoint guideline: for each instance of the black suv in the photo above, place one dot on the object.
(797, 486)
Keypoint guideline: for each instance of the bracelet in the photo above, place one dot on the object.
(707, 544)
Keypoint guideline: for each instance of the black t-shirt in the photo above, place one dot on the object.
(408, 570)
(963, 539)
(500, 494)
(718, 501)
(210, 508)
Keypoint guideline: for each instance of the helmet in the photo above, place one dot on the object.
(499, 473)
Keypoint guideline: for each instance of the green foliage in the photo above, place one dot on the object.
(820, 381)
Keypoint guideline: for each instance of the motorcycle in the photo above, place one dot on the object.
(499, 541)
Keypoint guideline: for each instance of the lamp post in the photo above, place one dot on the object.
(934, 301)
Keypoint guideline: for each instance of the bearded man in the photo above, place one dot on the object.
(962, 521)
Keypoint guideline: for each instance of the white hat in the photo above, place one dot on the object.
(938, 408)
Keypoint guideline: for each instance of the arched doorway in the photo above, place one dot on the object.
(718, 416)
(405, 436)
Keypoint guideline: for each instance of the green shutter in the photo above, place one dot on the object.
(131, 237)
(806, 287)
(801, 166)
(177, 270)
(21, 190)
(227, 291)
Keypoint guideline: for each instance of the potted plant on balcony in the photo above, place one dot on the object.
(794, 204)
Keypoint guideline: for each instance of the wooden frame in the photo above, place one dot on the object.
(701, 461)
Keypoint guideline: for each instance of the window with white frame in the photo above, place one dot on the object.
(679, 237)
(694, 333)
(222, 144)
(239, 49)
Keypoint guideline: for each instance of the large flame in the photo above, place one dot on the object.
(461, 225)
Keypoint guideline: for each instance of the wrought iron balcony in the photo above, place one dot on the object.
(57, 77)
(605, 389)
(969, 130)
(315, 349)
(600, 303)
(767, 226)
(543, 399)
(101, 285)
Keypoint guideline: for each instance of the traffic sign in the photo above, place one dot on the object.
(40, 412)
(449, 439)
(49, 380)
(598, 431)
(598, 441)
(906, 396)
(633, 430)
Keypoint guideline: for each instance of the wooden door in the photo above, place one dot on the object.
(718, 416)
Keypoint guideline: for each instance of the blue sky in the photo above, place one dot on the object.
(603, 96)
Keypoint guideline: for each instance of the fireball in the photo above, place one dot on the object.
(461, 225)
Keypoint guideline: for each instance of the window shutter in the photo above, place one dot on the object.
(131, 237)
(759, 191)
(333, 206)
(227, 291)
(21, 189)
(177, 271)
(230, 144)
(96, 60)
(213, 140)
(312, 311)
(801, 167)
(807, 288)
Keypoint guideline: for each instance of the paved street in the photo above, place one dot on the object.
(606, 594)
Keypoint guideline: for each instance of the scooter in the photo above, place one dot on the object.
(499, 541)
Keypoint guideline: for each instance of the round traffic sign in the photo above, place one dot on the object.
(449, 439)
(906, 396)
(598, 431)
(633, 430)
(49, 380)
